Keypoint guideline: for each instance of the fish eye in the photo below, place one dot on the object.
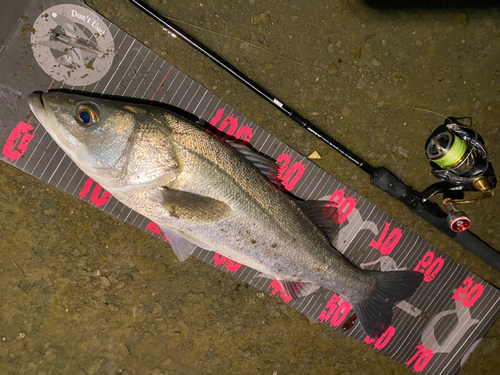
(86, 115)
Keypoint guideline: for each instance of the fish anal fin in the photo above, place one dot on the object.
(297, 289)
(191, 207)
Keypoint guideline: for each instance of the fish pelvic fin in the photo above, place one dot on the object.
(375, 310)
(182, 247)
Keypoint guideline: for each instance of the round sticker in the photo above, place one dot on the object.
(72, 44)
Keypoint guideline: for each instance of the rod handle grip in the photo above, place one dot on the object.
(386, 181)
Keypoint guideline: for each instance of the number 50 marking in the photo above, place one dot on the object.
(335, 310)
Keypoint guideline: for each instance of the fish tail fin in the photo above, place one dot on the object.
(375, 311)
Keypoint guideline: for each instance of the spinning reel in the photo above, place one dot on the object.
(458, 157)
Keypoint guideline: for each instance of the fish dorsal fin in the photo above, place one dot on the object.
(265, 165)
(318, 213)
(193, 207)
(182, 247)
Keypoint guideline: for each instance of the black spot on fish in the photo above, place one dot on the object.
(253, 241)
(274, 245)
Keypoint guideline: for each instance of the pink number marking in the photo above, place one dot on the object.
(244, 133)
(231, 265)
(429, 266)
(421, 358)
(156, 231)
(335, 310)
(386, 245)
(275, 285)
(340, 208)
(95, 199)
(18, 141)
(468, 293)
(383, 340)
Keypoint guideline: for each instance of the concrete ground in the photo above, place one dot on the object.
(86, 294)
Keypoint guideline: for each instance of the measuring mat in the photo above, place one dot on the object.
(68, 46)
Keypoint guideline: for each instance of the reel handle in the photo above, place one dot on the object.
(457, 220)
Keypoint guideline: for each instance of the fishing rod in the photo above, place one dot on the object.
(441, 151)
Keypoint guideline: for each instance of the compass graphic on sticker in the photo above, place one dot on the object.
(72, 44)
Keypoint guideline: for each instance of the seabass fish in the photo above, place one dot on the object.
(205, 192)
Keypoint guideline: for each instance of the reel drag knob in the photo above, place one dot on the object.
(458, 221)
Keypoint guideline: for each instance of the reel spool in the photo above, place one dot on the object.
(458, 157)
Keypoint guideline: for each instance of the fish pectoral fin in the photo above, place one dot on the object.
(193, 207)
(296, 289)
(182, 247)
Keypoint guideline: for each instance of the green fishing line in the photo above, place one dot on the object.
(454, 155)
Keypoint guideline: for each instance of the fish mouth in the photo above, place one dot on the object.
(44, 112)
(36, 105)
